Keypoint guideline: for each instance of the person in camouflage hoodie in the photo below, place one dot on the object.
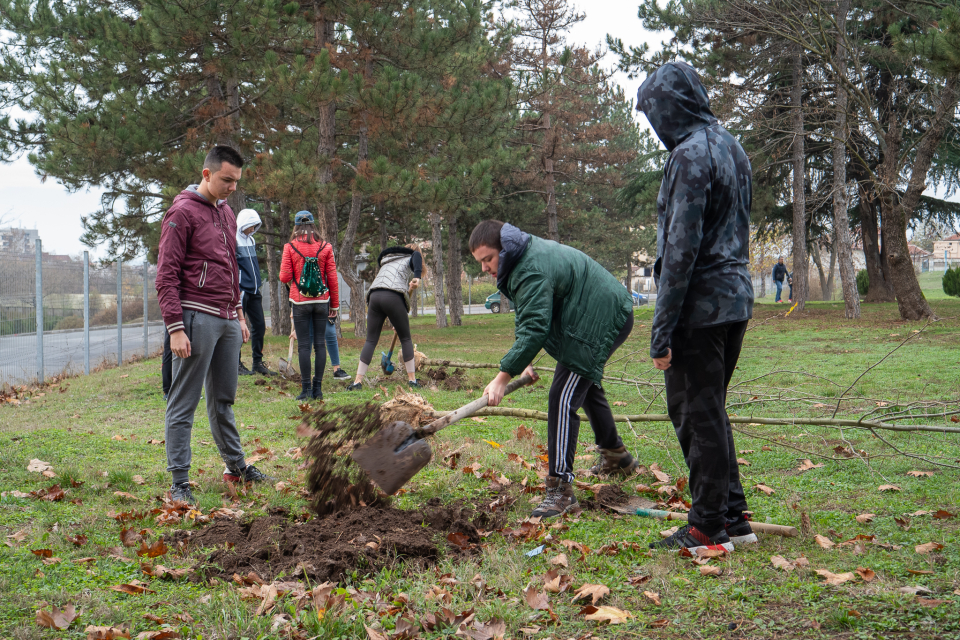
(704, 296)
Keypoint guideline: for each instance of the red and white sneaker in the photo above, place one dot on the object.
(249, 474)
(694, 539)
(741, 532)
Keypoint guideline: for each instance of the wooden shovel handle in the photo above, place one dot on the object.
(468, 410)
(290, 350)
(775, 529)
(393, 342)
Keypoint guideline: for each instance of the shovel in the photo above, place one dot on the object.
(641, 507)
(284, 366)
(385, 363)
(398, 451)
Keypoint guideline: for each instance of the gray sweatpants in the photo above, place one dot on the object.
(212, 365)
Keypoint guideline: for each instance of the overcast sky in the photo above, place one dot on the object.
(27, 202)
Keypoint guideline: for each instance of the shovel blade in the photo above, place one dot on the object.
(393, 456)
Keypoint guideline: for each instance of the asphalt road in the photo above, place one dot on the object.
(64, 350)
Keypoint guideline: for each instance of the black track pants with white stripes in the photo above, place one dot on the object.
(568, 393)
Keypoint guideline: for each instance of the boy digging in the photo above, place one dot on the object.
(575, 310)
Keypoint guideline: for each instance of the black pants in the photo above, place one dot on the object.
(166, 363)
(702, 363)
(385, 303)
(253, 312)
(306, 316)
(568, 393)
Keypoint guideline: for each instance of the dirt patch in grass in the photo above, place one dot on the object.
(328, 548)
(611, 495)
(446, 380)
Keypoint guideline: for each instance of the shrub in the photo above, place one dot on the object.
(951, 282)
(70, 322)
(863, 282)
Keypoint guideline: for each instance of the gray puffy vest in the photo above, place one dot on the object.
(394, 275)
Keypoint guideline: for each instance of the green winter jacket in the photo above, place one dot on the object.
(567, 304)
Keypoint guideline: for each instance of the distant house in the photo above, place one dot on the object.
(949, 245)
(17, 240)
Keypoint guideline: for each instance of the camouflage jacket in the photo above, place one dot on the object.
(703, 227)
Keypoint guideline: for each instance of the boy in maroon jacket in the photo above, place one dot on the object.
(199, 292)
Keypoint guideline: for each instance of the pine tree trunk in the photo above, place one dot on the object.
(384, 238)
(438, 273)
(347, 258)
(897, 211)
(281, 321)
(273, 271)
(833, 265)
(454, 269)
(818, 263)
(800, 259)
(553, 228)
(841, 222)
(880, 289)
(236, 200)
(326, 143)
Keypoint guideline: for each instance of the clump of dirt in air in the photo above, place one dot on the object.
(334, 480)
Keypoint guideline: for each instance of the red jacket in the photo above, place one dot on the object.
(291, 264)
(197, 267)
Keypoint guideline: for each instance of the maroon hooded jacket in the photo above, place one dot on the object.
(197, 267)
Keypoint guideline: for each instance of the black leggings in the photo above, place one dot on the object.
(306, 316)
(385, 303)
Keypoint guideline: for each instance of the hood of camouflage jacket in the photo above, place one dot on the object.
(675, 103)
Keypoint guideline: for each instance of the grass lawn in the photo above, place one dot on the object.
(97, 430)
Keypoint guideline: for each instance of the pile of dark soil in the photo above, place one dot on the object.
(449, 381)
(328, 548)
(612, 495)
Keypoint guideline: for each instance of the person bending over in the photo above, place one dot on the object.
(306, 253)
(704, 296)
(389, 297)
(575, 310)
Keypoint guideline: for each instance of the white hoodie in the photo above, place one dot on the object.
(249, 270)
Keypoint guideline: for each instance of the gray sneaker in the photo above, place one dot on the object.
(614, 461)
(559, 500)
(181, 491)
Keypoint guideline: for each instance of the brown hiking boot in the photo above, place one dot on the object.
(559, 500)
(614, 461)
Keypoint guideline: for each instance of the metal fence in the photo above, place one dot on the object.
(64, 316)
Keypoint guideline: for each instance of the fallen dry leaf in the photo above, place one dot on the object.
(868, 575)
(943, 514)
(42, 553)
(806, 465)
(536, 599)
(920, 572)
(139, 480)
(78, 541)
(38, 466)
(555, 582)
(928, 547)
(824, 541)
(864, 518)
(595, 592)
(835, 578)
(135, 588)
(762, 487)
(930, 602)
(920, 474)
(57, 618)
(560, 560)
(782, 563)
(912, 591)
(652, 596)
(492, 630)
(154, 550)
(709, 570)
(130, 537)
(605, 614)
(160, 634)
(888, 487)
(107, 633)
(126, 496)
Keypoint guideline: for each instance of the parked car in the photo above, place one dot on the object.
(493, 303)
(639, 299)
